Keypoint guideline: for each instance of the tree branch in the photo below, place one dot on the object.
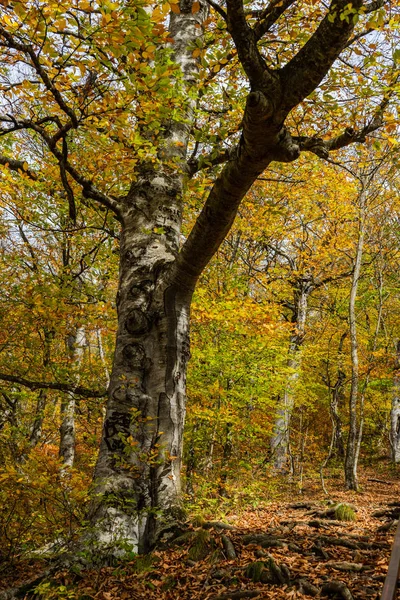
(195, 165)
(28, 50)
(88, 188)
(246, 44)
(62, 387)
(217, 8)
(65, 182)
(270, 16)
(17, 165)
(305, 71)
(322, 148)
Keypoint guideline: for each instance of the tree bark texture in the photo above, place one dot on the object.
(37, 425)
(137, 475)
(337, 398)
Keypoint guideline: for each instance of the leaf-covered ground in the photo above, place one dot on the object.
(292, 548)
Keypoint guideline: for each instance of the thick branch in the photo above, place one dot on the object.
(306, 70)
(374, 5)
(217, 8)
(217, 216)
(17, 165)
(246, 45)
(65, 182)
(62, 387)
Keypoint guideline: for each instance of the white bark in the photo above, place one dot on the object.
(395, 411)
(281, 434)
(137, 475)
(76, 345)
(351, 480)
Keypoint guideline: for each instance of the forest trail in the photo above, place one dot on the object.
(291, 548)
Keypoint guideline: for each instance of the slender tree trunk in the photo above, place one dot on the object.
(350, 466)
(76, 345)
(371, 359)
(102, 356)
(281, 433)
(137, 476)
(395, 411)
(337, 433)
(336, 398)
(37, 426)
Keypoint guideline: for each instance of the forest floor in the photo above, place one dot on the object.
(293, 547)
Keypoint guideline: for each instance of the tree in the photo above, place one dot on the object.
(105, 94)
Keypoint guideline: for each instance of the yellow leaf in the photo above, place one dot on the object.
(25, 166)
(196, 52)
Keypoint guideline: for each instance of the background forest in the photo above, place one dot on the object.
(295, 331)
(270, 324)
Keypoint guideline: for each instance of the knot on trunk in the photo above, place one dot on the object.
(137, 322)
(258, 110)
(285, 150)
(134, 354)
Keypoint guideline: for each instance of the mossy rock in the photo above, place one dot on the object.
(344, 512)
(254, 570)
(201, 546)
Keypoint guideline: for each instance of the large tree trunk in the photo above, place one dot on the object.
(137, 476)
(138, 470)
(351, 460)
(281, 434)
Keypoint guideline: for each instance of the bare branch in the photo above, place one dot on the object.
(270, 16)
(28, 50)
(217, 8)
(322, 148)
(62, 387)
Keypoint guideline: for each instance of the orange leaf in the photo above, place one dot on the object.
(195, 7)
